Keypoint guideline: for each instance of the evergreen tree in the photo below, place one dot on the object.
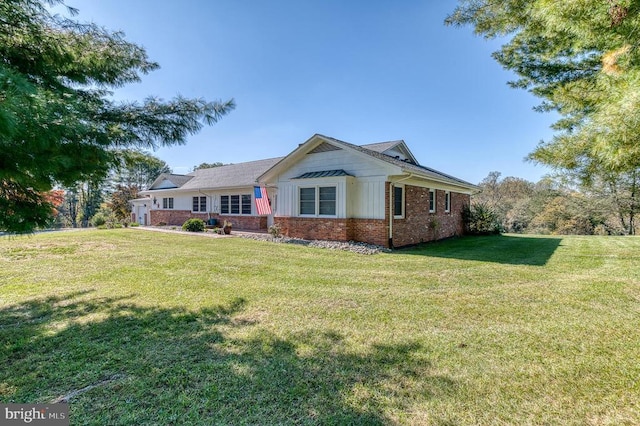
(583, 59)
(138, 169)
(57, 124)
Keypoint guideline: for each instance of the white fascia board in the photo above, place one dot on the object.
(292, 157)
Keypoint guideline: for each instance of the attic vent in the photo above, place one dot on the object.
(324, 147)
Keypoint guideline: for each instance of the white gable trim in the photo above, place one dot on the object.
(312, 143)
(166, 184)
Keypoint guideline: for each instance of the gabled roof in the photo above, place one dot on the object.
(382, 146)
(222, 177)
(411, 168)
(230, 176)
(391, 149)
(169, 180)
(375, 151)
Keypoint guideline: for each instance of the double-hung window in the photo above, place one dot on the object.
(245, 207)
(167, 203)
(199, 204)
(398, 201)
(327, 201)
(235, 204)
(318, 201)
(432, 201)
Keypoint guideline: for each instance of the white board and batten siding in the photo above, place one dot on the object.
(358, 196)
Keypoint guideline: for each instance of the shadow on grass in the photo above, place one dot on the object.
(126, 364)
(506, 249)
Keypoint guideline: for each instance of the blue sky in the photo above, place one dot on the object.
(360, 71)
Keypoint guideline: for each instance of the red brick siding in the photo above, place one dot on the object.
(310, 228)
(174, 217)
(418, 224)
(372, 231)
(178, 217)
(414, 228)
(247, 223)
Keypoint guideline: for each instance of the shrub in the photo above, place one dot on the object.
(193, 225)
(479, 219)
(99, 219)
(275, 230)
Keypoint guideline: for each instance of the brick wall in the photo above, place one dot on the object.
(178, 217)
(418, 225)
(373, 231)
(314, 228)
(174, 217)
(245, 223)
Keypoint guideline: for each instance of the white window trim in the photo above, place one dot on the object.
(206, 204)
(402, 212)
(317, 200)
(435, 202)
(239, 206)
(447, 202)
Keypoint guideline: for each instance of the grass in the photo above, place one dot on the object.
(135, 327)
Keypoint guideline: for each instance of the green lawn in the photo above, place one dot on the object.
(139, 327)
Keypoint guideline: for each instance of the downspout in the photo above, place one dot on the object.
(391, 186)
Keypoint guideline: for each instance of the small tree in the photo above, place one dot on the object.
(479, 219)
(120, 200)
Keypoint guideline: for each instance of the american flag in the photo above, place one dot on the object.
(262, 200)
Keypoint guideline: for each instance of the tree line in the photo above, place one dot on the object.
(559, 205)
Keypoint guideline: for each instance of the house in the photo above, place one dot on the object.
(325, 189)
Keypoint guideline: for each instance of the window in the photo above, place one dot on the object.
(307, 201)
(224, 204)
(246, 204)
(447, 202)
(398, 201)
(318, 201)
(327, 201)
(235, 204)
(167, 203)
(199, 204)
(432, 201)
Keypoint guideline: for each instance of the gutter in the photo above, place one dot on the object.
(460, 184)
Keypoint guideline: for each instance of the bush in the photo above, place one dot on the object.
(193, 225)
(275, 230)
(99, 219)
(479, 219)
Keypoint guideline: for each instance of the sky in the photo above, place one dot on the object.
(359, 71)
